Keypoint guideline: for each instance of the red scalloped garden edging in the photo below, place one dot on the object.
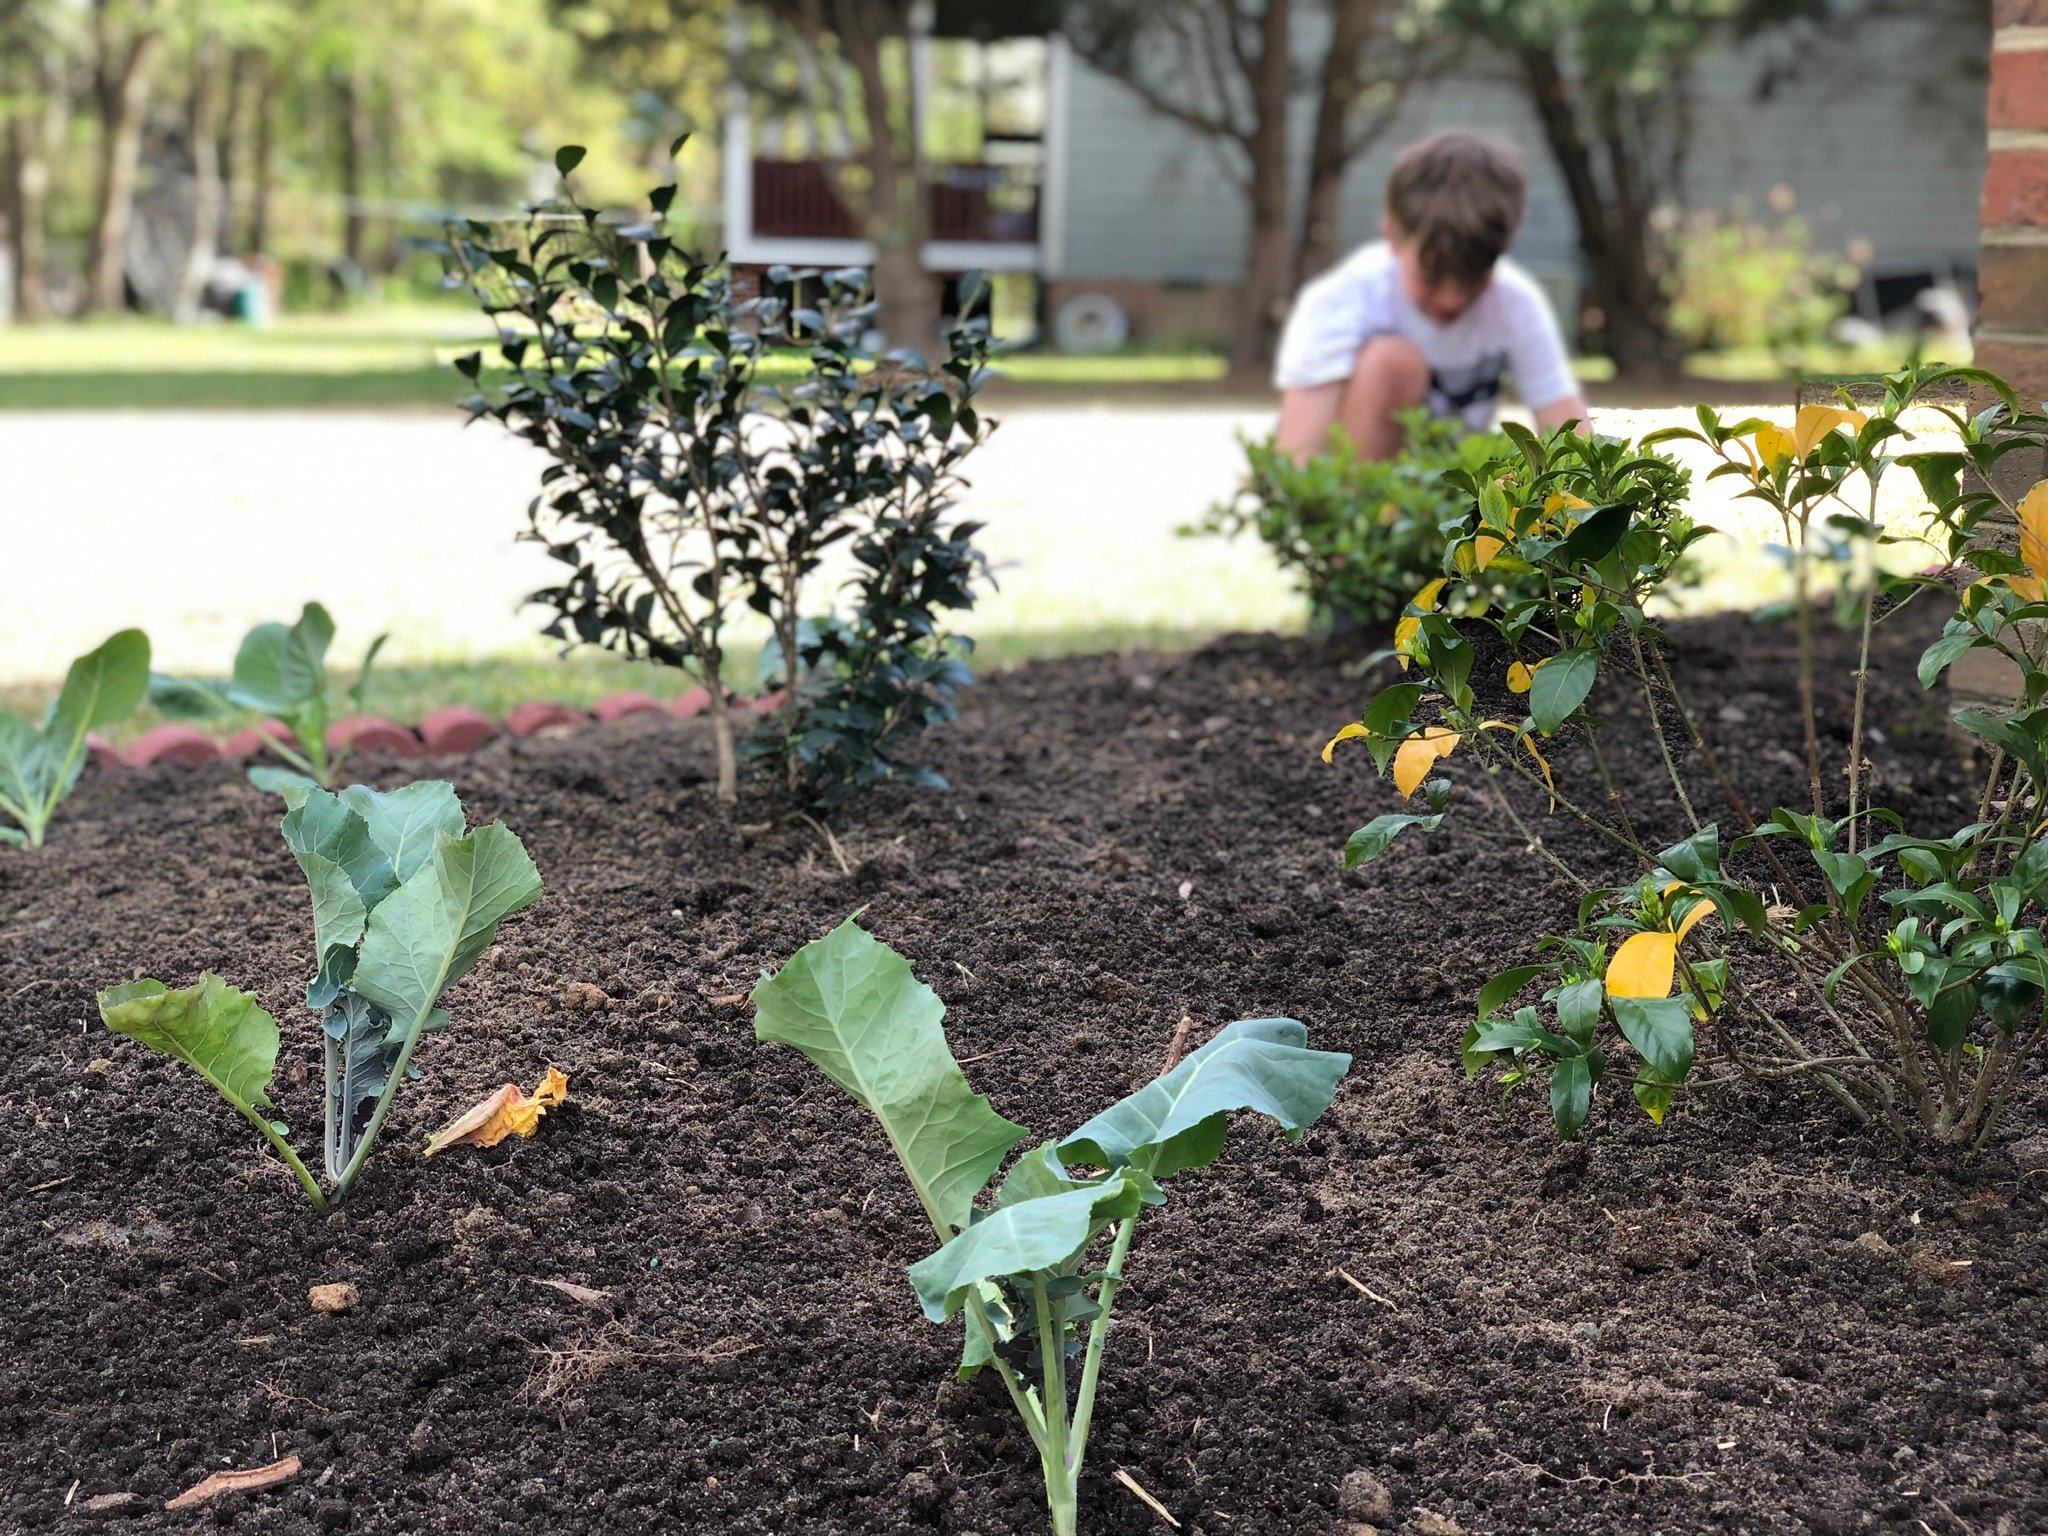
(447, 732)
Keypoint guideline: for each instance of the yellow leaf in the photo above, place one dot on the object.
(508, 1112)
(1404, 638)
(2033, 520)
(1815, 422)
(1485, 547)
(1521, 676)
(1425, 600)
(1774, 450)
(1564, 501)
(1418, 754)
(1699, 909)
(1350, 732)
(1543, 763)
(1388, 512)
(1644, 965)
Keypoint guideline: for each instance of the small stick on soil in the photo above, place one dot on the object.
(235, 1482)
(1362, 1288)
(37, 1189)
(1151, 1503)
(1178, 1044)
(831, 842)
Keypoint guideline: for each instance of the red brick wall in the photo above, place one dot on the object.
(2012, 326)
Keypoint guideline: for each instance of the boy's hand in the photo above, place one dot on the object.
(1572, 408)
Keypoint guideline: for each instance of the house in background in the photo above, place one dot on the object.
(1132, 227)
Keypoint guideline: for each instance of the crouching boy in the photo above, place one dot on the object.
(1431, 315)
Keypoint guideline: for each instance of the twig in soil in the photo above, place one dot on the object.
(40, 981)
(1178, 1044)
(38, 1189)
(1362, 1288)
(831, 842)
(1625, 1480)
(1959, 1520)
(1150, 1503)
(235, 1482)
(566, 1367)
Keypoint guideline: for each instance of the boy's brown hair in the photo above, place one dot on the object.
(1459, 196)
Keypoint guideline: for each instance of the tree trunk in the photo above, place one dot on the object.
(123, 104)
(233, 149)
(206, 178)
(28, 182)
(1330, 147)
(257, 240)
(896, 215)
(1614, 232)
(1268, 261)
(356, 149)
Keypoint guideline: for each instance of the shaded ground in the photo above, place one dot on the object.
(1678, 1330)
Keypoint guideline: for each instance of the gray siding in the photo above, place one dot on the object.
(1879, 131)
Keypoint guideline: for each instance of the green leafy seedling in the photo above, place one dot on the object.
(404, 901)
(281, 673)
(40, 763)
(1016, 1267)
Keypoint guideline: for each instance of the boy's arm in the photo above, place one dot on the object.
(1318, 350)
(1543, 374)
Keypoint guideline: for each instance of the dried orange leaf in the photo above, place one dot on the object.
(235, 1482)
(508, 1112)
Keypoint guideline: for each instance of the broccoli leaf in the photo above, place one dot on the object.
(361, 1052)
(854, 1007)
(405, 823)
(1030, 1237)
(1180, 1120)
(219, 1032)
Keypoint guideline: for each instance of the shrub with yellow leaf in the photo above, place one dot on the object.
(1922, 951)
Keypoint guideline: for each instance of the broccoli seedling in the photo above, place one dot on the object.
(40, 763)
(1017, 1266)
(404, 901)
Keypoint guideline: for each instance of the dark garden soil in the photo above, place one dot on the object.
(1754, 1319)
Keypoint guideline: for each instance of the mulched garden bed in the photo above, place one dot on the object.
(1755, 1319)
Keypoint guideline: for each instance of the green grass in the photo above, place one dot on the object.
(388, 357)
(494, 684)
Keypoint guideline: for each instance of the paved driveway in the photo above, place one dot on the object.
(196, 525)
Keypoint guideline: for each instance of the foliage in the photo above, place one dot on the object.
(1750, 283)
(1921, 949)
(281, 673)
(404, 902)
(1018, 1267)
(685, 490)
(1356, 533)
(40, 762)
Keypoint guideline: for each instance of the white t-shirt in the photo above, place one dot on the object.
(1509, 327)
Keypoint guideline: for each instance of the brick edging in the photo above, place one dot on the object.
(447, 732)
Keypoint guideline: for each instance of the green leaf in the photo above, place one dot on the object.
(24, 766)
(1578, 1009)
(1026, 1237)
(102, 687)
(1596, 537)
(292, 785)
(219, 1032)
(424, 937)
(405, 823)
(1660, 1028)
(1180, 1120)
(1943, 654)
(186, 698)
(1377, 835)
(279, 670)
(569, 156)
(853, 1006)
(1560, 686)
(1571, 1095)
(1505, 984)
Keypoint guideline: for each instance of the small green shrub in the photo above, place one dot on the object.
(1018, 1270)
(1358, 535)
(404, 902)
(686, 491)
(280, 673)
(39, 762)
